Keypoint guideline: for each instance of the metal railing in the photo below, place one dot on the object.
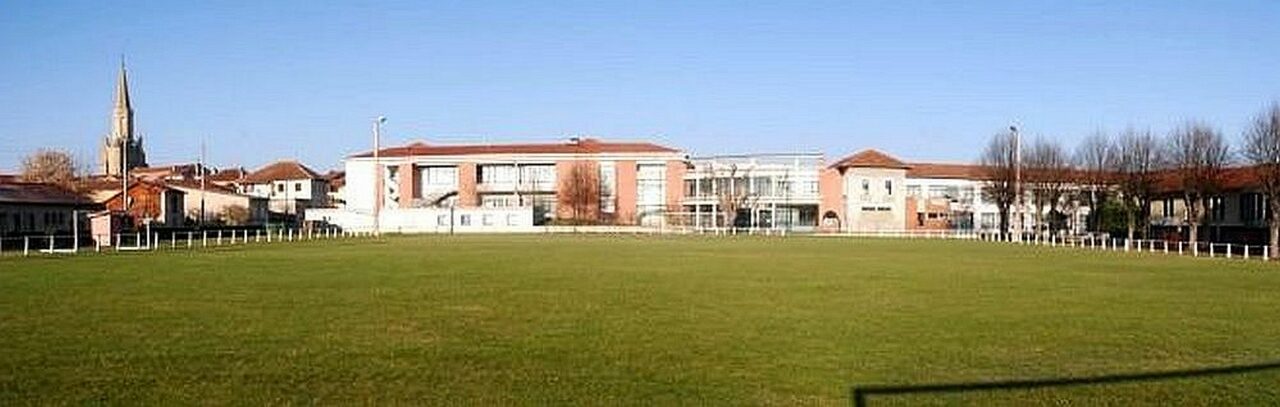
(62, 244)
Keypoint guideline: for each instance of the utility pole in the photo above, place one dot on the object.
(1017, 175)
(377, 175)
(202, 176)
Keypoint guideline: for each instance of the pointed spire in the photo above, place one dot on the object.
(122, 90)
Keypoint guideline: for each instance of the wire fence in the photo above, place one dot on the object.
(64, 244)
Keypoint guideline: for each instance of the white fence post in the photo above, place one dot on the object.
(1265, 255)
(26, 245)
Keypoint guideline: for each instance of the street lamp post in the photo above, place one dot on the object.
(377, 175)
(1017, 176)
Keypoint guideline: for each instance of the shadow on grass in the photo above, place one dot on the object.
(859, 394)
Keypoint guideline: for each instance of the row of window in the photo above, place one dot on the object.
(487, 219)
(16, 222)
(759, 186)
(1253, 208)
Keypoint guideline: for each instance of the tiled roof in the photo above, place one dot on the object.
(582, 146)
(228, 175)
(947, 171)
(208, 186)
(337, 179)
(103, 188)
(1231, 179)
(870, 158)
(281, 170)
(39, 193)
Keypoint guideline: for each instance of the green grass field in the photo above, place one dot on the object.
(601, 320)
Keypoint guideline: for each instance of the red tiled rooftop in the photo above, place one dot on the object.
(583, 146)
(39, 193)
(281, 170)
(947, 171)
(870, 158)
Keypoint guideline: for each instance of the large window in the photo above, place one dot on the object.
(538, 176)
(1217, 211)
(651, 192)
(1253, 207)
(608, 175)
(496, 174)
(498, 200)
(438, 178)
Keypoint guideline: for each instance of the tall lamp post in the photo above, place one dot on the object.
(1017, 175)
(377, 175)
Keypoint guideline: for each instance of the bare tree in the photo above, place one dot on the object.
(580, 191)
(999, 164)
(1138, 158)
(1262, 150)
(235, 215)
(1095, 157)
(734, 194)
(1197, 154)
(1048, 172)
(51, 167)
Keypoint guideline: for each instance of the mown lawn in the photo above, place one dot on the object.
(602, 320)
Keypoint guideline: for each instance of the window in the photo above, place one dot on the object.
(866, 186)
(486, 219)
(888, 186)
(1253, 207)
(279, 187)
(442, 220)
(913, 190)
(498, 200)
(496, 174)
(433, 178)
(1167, 209)
(540, 177)
(513, 220)
(607, 177)
(297, 187)
(464, 220)
(1217, 211)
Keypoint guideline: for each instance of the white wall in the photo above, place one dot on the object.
(877, 208)
(359, 189)
(431, 220)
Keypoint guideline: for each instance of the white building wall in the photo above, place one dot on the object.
(431, 220)
(359, 189)
(876, 207)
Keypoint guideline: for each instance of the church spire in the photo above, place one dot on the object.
(121, 150)
(122, 114)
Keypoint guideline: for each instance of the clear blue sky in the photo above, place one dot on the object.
(924, 81)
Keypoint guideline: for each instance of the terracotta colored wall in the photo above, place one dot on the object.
(564, 181)
(408, 185)
(831, 190)
(912, 214)
(625, 190)
(467, 197)
(145, 202)
(675, 185)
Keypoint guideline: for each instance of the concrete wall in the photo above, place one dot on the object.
(431, 220)
(874, 208)
(831, 190)
(625, 191)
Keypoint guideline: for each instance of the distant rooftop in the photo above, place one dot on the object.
(573, 146)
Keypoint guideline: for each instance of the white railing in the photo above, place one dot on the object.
(1198, 249)
(165, 240)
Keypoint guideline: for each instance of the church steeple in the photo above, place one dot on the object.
(121, 149)
(122, 114)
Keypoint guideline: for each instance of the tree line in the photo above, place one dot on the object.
(1131, 169)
